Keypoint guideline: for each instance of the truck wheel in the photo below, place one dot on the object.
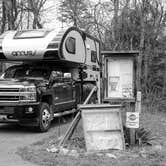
(44, 117)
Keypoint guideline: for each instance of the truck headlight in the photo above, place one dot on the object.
(28, 97)
(28, 89)
(28, 93)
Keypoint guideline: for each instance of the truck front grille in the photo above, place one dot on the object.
(16, 94)
(9, 94)
(9, 98)
(9, 89)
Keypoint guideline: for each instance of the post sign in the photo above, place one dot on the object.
(132, 119)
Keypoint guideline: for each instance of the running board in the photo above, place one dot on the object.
(65, 113)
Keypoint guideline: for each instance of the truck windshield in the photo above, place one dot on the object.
(21, 71)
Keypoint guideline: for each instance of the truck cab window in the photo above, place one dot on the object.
(9, 73)
(39, 73)
(22, 71)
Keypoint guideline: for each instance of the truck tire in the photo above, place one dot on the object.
(44, 117)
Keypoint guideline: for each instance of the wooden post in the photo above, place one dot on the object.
(138, 102)
(136, 109)
(132, 131)
(132, 137)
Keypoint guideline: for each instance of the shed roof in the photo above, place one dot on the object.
(120, 53)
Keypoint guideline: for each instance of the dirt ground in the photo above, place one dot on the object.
(14, 137)
(154, 155)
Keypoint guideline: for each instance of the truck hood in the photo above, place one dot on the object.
(21, 82)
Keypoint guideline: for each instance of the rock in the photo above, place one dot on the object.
(53, 150)
(99, 154)
(48, 150)
(143, 153)
(111, 155)
(64, 151)
(134, 155)
(73, 153)
(89, 153)
(157, 147)
(81, 151)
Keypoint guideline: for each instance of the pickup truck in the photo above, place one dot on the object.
(32, 94)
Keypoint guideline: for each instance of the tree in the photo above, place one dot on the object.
(21, 14)
(36, 6)
(73, 12)
(10, 13)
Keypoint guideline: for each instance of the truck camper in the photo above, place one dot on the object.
(55, 68)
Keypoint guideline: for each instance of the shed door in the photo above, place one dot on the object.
(120, 78)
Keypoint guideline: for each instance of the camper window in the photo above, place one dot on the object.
(93, 56)
(70, 45)
(31, 34)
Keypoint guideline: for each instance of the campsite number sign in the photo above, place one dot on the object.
(132, 119)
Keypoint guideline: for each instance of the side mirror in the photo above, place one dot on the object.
(67, 75)
(2, 76)
(53, 77)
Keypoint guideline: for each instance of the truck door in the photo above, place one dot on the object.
(58, 91)
(63, 93)
(68, 92)
(58, 95)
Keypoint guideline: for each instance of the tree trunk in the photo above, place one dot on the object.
(146, 63)
(11, 13)
(142, 41)
(115, 23)
(164, 80)
(3, 17)
(36, 23)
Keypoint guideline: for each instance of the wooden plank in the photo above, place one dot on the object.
(119, 100)
(64, 113)
(122, 133)
(90, 95)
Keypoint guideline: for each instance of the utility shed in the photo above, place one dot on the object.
(119, 75)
